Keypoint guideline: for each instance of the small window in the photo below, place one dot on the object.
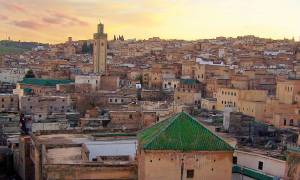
(260, 165)
(190, 173)
(110, 100)
(234, 160)
(284, 122)
(130, 116)
(116, 100)
(291, 122)
(2, 99)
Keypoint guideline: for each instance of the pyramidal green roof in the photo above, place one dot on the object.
(44, 82)
(181, 133)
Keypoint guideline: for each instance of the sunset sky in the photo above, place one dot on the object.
(54, 20)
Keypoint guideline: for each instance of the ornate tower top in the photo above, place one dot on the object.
(100, 28)
(100, 31)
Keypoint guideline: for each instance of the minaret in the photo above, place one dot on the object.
(100, 50)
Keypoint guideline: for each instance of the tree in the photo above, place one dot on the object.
(91, 48)
(29, 74)
(85, 48)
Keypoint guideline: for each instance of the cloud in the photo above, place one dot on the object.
(62, 18)
(27, 24)
(3, 17)
(52, 20)
(13, 6)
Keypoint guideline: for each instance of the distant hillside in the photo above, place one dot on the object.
(16, 47)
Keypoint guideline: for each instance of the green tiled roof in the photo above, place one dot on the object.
(27, 90)
(189, 81)
(44, 82)
(293, 148)
(251, 173)
(182, 133)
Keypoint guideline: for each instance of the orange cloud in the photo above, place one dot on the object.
(3, 17)
(28, 24)
(13, 6)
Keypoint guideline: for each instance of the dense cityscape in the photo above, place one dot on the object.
(154, 109)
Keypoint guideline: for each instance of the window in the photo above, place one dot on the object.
(234, 160)
(116, 100)
(284, 122)
(190, 173)
(130, 116)
(291, 122)
(2, 99)
(110, 100)
(11, 100)
(260, 165)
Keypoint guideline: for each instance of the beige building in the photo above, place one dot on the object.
(287, 90)
(188, 92)
(249, 102)
(100, 50)
(9, 102)
(208, 103)
(182, 148)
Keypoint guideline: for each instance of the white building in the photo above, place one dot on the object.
(252, 164)
(93, 80)
(12, 75)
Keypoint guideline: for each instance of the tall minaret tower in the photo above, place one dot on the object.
(100, 50)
